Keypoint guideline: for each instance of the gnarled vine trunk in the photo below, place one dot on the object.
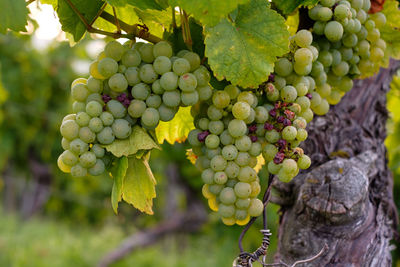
(345, 200)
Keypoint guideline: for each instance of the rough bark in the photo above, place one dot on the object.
(345, 200)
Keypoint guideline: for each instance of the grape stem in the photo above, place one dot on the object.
(132, 31)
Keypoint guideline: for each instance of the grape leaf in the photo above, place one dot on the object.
(208, 12)
(244, 51)
(13, 15)
(139, 185)
(138, 140)
(288, 6)
(70, 20)
(157, 21)
(118, 174)
(177, 129)
(142, 4)
(292, 21)
(127, 13)
(260, 163)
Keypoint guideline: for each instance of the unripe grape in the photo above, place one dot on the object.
(241, 110)
(118, 83)
(304, 162)
(193, 59)
(303, 56)
(94, 85)
(131, 58)
(146, 52)
(87, 159)
(147, 73)
(205, 92)
(150, 117)
(242, 159)
(69, 158)
(247, 174)
(242, 190)
(106, 136)
(256, 207)
(162, 65)
(229, 152)
(333, 31)
(166, 113)
(272, 136)
(153, 101)
(78, 171)
(98, 168)
(107, 67)
(216, 127)
(114, 50)
(107, 118)
(212, 141)
(226, 138)
(226, 211)
(220, 177)
(169, 81)
(237, 128)
(303, 38)
(289, 93)
(132, 76)
(187, 82)
(171, 98)
(190, 98)
(243, 143)
(181, 66)
(220, 99)
(121, 129)
(69, 129)
(218, 163)
(227, 196)
(202, 75)
(98, 150)
(283, 67)
(232, 169)
(116, 109)
(95, 124)
(162, 48)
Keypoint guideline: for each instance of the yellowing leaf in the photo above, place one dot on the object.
(139, 140)
(191, 156)
(260, 163)
(118, 174)
(139, 185)
(292, 22)
(177, 129)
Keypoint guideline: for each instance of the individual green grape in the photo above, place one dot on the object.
(269, 151)
(203, 124)
(153, 101)
(226, 138)
(118, 83)
(166, 113)
(327, 3)
(362, 16)
(334, 98)
(249, 97)
(227, 196)
(220, 177)
(341, 69)
(98, 168)
(283, 67)
(202, 76)
(62, 166)
(210, 153)
(241, 214)
(312, 13)
(261, 114)
(272, 93)
(95, 97)
(242, 203)
(333, 31)
(342, 12)
(94, 70)
(193, 59)
(205, 92)
(229, 152)
(131, 58)
(241, 110)
(107, 118)
(242, 159)
(69, 158)
(214, 113)
(232, 169)
(146, 52)
(98, 150)
(302, 69)
(181, 66)
(243, 143)
(325, 57)
(381, 44)
(140, 91)
(106, 136)
(86, 135)
(216, 188)
(107, 67)
(94, 108)
(272, 136)
(79, 92)
(150, 118)
(169, 81)
(232, 91)
(301, 135)
(256, 207)
(207, 176)
(301, 89)
(216, 127)
(190, 98)
(289, 93)
(121, 128)
(132, 76)
(116, 109)
(237, 128)
(247, 174)
(94, 85)
(303, 38)
(212, 141)
(147, 73)
(289, 133)
(315, 100)
(162, 64)
(289, 166)
(157, 88)
(121, 68)
(226, 211)
(65, 143)
(322, 108)
(78, 171)
(319, 27)
(255, 149)
(69, 129)
(187, 82)
(162, 48)
(324, 90)
(171, 98)
(317, 68)
(78, 106)
(379, 19)
(304, 162)
(255, 188)
(221, 99)
(218, 163)
(376, 54)
(303, 56)
(250, 119)
(95, 124)
(307, 114)
(346, 53)
(114, 50)
(242, 190)
(350, 40)
(324, 14)
(82, 119)
(273, 168)
(193, 138)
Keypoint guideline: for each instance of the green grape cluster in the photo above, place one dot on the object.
(349, 42)
(227, 141)
(139, 85)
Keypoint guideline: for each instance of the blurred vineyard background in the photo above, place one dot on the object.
(48, 218)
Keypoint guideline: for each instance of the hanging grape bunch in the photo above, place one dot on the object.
(142, 85)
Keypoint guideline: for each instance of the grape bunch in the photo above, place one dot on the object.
(349, 42)
(227, 141)
(139, 85)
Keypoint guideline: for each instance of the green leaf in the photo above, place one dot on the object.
(208, 12)
(118, 173)
(139, 185)
(288, 6)
(177, 129)
(157, 21)
(142, 4)
(126, 13)
(70, 20)
(13, 15)
(244, 51)
(138, 140)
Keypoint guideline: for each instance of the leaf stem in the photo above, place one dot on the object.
(116, 20)
(173, 18)
(187, 38)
